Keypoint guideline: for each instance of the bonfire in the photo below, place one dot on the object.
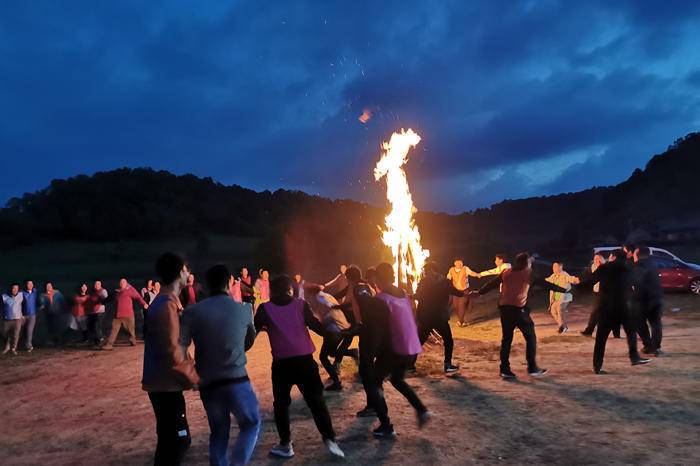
(400, 232)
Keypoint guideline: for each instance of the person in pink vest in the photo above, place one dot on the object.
(287, 321)
(400, 347)
(124, 317)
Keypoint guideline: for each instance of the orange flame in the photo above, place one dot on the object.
(401, 233)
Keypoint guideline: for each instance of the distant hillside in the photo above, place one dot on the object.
(299, 230)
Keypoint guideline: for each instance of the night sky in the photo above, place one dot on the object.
(512, 99)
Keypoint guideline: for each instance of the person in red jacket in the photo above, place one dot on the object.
(79, 311)
(124, 317)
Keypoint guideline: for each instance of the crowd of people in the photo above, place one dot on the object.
(79, 318)
(390, 323)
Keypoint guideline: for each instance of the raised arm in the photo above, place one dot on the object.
(544, 283)
(135, 295)
(490, 285)
(591, 279)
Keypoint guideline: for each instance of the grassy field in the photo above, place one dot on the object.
(69, 264)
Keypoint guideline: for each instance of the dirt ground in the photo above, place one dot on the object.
(86, 407)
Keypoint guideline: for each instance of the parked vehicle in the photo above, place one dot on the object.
(675, 273)
(655, 252)
(678, 275)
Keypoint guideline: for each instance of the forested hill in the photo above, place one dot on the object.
(145, 204)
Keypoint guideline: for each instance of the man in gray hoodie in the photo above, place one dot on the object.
(222, 330)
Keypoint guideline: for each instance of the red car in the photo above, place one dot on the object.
(677, 275)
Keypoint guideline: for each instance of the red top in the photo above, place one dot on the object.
(515, 285)
(79, 304)
(125, 302)
(191, 295)
(245, 291)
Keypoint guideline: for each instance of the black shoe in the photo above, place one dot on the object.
(600, 371)
(586, 334)
(560, 330)
(508, 375)
(367, 412)
(640, 361)
(647, 350)
(537, 372)
(658, 353)
(384, 431)
(334, 387)
(450, 369)
(424, 418)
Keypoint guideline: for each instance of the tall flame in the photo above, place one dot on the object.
(401, 233)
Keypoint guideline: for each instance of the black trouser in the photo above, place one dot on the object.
(513, 317)
(442, 327)
(57, 330)
(651, 313)
(95, 326)
(301, 371)
(593, 320)
(171, 427)
(601, 338)
(366, 362)
(394, 366)
(337, 346)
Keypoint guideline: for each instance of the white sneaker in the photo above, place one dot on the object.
(283, 451)
(334, 448)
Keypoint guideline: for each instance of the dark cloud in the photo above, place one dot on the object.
(268, 94)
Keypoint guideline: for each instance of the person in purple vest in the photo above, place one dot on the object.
(287, 321)
(400, 346)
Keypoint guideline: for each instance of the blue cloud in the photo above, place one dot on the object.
(268, 94)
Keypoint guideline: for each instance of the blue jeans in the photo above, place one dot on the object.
(219, 403)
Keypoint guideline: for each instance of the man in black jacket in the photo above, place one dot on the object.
(646, 301)
(433, 295)
(373, 326)
(613, 308)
